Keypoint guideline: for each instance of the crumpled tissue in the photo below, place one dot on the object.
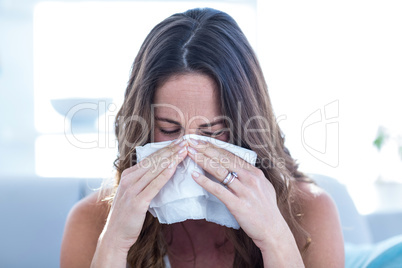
(182, 198)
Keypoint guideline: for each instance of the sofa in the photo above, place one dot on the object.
(34, 210)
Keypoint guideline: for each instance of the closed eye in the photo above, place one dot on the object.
(201, 132)
(213, 134)
(169, 132)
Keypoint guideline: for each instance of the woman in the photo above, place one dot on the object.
(198, 67)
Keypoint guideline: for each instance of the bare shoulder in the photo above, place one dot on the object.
(84, 224)
(313, 197)
(321, 220)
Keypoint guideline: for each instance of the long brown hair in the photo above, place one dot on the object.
(208, 42)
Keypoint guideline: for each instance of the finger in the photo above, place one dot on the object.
(228, 198)
(153, 174)
(162, 155)
(213, 167)
(229, 160)
(154, 160)
(151, 184)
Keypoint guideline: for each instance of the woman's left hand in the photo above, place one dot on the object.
(251, 198)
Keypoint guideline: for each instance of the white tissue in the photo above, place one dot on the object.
(182, 198)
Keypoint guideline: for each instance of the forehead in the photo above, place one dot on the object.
(188, 97)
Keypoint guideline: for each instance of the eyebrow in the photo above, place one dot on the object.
(220, 121)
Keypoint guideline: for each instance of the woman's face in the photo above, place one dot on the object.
(188, 104)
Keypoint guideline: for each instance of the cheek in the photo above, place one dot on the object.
(159, 137)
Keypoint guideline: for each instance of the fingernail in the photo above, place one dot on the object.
(177, 141)
(182, 150)
(193, 141)
(191, 150)
(195, 174)
(182, 143)
(172, 164)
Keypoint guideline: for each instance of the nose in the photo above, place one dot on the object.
(190, 131)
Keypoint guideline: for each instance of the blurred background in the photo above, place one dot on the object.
(333, 69)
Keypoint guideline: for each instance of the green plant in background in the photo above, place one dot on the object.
(383, 136)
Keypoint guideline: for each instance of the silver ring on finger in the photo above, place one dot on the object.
(234, 176)
(229, 178)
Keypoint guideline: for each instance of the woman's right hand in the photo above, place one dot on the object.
(139, 184)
